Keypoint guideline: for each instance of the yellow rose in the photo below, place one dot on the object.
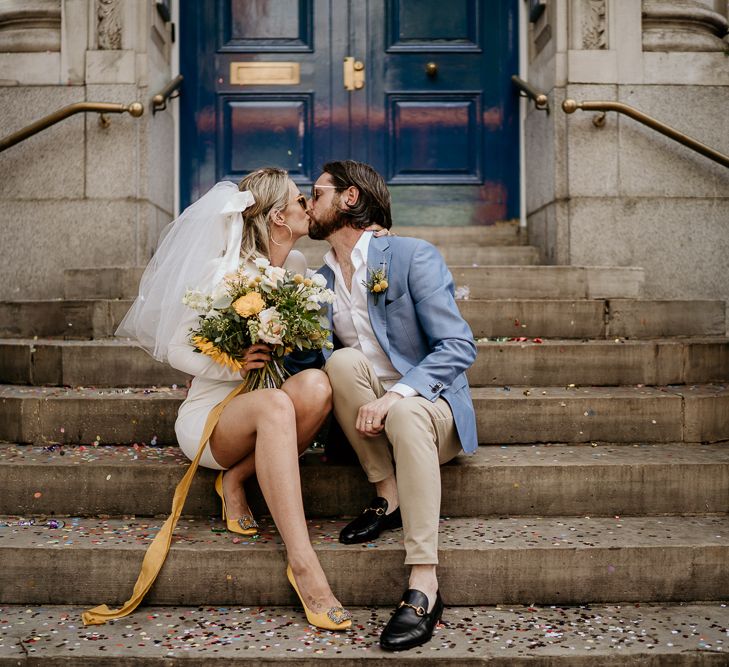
(249, 304)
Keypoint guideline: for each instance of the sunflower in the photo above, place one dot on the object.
(218, 356)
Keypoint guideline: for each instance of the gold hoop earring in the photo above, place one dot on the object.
(273, 240)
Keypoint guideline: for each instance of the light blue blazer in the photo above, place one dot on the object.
(418, 324)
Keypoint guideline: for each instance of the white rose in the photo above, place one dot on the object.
(319, 280)
(219, 291)
(312, 303)
(322, 296)
(261, 263)
(276, 273)
(196, 300)
(272, 328)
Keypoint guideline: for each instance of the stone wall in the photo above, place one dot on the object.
(618, 192)
(79, 194)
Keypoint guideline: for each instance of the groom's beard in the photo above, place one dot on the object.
(325, 225)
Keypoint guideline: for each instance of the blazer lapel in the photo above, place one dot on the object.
(329, 275)
(378, 258)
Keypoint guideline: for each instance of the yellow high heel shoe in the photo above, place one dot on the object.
(246, 525)
(336, 618)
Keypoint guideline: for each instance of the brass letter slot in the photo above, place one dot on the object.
(265, 74)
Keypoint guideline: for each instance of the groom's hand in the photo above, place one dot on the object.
(371, 416)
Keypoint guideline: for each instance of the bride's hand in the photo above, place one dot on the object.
(255, 356)
(379, 231)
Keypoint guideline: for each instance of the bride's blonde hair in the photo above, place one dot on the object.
(270, 188)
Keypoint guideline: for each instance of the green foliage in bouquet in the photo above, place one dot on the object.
(272, 306)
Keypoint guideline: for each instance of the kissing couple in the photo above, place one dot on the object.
(395, 378)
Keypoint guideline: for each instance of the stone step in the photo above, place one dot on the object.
(546, 480)
(559, 560)
(595, 318)
(548, 282)
(505, 415)
(600, 362)
(696, 413)
(454, 255)
(104, 362)
(57, 318)
(113, 282)
(679, 635)
(500, 234)
(550, 318)
(74, 363)
(483, 282)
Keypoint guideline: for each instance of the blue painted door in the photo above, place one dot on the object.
(435, 114)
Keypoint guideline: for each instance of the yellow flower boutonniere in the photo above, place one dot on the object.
(377, 283)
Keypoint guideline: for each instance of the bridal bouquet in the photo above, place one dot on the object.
(271, 306)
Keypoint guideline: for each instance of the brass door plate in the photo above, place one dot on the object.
(265, 74)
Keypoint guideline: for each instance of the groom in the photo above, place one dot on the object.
(400, 390)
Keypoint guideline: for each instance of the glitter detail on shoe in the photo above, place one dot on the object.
(246, 522)
(338, 615)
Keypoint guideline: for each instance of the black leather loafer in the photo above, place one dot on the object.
(368, 525)
(411, 625)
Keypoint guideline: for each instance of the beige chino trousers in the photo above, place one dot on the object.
(419, 436)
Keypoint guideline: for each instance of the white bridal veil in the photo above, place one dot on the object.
(195, 251)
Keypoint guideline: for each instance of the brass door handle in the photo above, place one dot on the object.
(354, 74)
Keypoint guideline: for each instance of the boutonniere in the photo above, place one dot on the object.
(377, 282)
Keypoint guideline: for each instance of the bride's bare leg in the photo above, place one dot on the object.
(311, 394)
(270, 414)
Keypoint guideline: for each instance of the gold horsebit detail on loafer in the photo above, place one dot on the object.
(246, 522)
(377, 510)
(338, 615)
(418, 610)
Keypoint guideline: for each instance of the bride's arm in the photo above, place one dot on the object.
(182, 356)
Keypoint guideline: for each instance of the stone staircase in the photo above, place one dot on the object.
(584, 530)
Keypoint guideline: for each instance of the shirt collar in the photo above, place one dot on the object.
(359, 253)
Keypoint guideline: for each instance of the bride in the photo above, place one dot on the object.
(262, 432)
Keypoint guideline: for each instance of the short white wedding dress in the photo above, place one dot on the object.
(211, 383)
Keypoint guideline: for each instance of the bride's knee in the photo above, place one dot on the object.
(277, 403)
(313, 387)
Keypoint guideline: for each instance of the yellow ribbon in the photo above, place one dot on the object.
(157, 551)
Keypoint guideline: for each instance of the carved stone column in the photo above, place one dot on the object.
(682, 25)
(30, 25)
(108, 24)
(593, 31)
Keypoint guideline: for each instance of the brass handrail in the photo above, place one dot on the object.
(135, 109)
(570, 106)
(159, 101)
(541, 101)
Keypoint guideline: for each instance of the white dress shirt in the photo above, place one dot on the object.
(351, 319)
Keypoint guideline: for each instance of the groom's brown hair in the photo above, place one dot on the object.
(373, 204)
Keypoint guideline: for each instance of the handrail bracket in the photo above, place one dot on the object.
(570, 106)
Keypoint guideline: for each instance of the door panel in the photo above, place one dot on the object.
(433, 138)
(448, 139)
(439, 25)
(262, 25)
(257, 89)
(436, 116)
(265, 130)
